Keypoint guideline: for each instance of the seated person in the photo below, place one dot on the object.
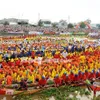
(23, 84)
(57, 81)
(42, 82)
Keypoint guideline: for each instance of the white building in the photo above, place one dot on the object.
(94, 26)
(12, 23)
(62, 24)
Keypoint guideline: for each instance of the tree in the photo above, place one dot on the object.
(22, 23)
(54, 25)
(88, 21)
(39, 23)
(6, 23)
(70, 25)
(82, 25)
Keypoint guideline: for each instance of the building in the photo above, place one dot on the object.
(94, 26)
(62, 24)
(13, 21)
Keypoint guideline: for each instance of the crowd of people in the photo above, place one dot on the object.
(39, 59)
(28, 28)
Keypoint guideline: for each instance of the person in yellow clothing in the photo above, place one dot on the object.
(1, 58)
(48, 54)
(18, 78)
(82, 58)
(90, 49)
(2, 75)
(62, 71)
(31, 77)
(53, 73)
(14, 75)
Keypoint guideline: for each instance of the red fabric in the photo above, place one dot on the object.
(76, 78)
(1, 70)
(92, 75)
(84, 77)
(2, 91)
(80, 75)
(57, 81)
(63, 78)
(98, 75)
(4, 63)
(0, 81)
(33, 54)
(68, 79)
(87, 74)
(71, 77)
(11, 63)
(86, 53)
(17, 62)
(25, 63)
(95, 89)
(57, 56)
(42, 82)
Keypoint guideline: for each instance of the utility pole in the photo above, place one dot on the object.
(68, 19)
(38, 16)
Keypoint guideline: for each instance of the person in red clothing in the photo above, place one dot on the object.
(11, 62)
(33, 54)
(68, 79)
(17, 62)
(57, 55)
(57, 81)
(92, 75)
(87, 74)
(80, 75)
(25, 63)
(76, 78)
(4, 63)
(63, 78)
(1, 82)
(98, 74)
(71, 77)
(84, 77)
(42, 82)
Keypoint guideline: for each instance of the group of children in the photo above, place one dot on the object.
(62, 61)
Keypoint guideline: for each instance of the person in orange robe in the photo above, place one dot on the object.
(9, 79)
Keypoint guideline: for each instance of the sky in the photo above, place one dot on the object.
(54, 10)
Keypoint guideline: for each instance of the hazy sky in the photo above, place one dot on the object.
(51, 9)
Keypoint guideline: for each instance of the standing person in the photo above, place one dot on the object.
(64, 54)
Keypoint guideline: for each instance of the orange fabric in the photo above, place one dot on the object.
(9, 80)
